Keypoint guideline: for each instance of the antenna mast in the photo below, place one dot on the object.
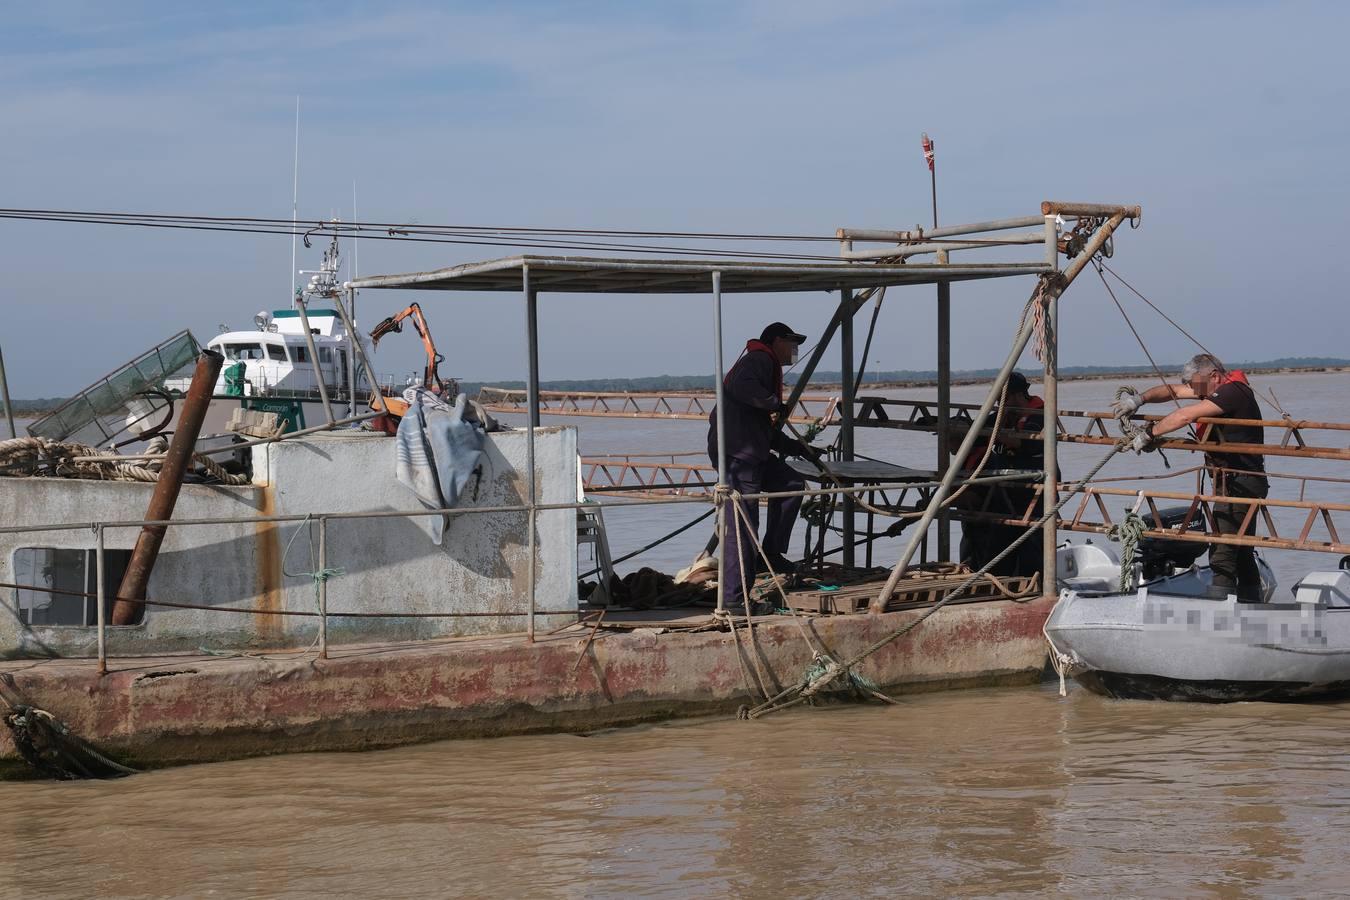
(295, 197)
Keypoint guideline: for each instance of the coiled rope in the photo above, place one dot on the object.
(39, 456)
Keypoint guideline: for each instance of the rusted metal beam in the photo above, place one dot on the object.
(126, 606)
(1061, 208)
(640, 405)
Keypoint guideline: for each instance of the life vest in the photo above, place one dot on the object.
(1237, 376)
(754, 346)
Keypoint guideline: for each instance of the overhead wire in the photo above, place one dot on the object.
(532, 237)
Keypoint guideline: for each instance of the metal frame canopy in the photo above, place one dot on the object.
(590, 275)
(861, 270)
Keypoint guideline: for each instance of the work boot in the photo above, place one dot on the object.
(782, 565)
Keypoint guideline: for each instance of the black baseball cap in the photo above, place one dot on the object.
(779, 330)
(1018, 384)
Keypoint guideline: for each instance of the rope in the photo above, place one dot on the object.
(39, 456)
(1129, 532)
(813, 681)
(48, 744)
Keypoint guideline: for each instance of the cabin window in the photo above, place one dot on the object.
(301, 354)
(61, 585)
(243, 351)
(276, 351)
(325, 355)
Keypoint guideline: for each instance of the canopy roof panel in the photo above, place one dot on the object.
(589, 275)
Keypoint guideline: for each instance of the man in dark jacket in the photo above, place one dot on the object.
(753, 394)
(1221, 395)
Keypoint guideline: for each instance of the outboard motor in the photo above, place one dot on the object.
(1159, 556)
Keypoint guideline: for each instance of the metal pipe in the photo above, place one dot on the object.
(944, 389)
(314, 357)
(4, 395)
(377, 399)
(532, 387)
(846, 418)
(353, 340)
(889, 236)
(165, 496)
(1050, 443)
(1050, 436)
(1061, 208)
(101, 600)
(907, 250)
(323, 587)
(720, 389)
(1047, 284)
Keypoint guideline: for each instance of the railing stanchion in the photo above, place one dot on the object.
(322, 575)
(101, 600)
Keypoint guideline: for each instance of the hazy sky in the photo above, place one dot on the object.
(1226, 121)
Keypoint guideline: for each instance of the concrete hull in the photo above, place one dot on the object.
(186, 709)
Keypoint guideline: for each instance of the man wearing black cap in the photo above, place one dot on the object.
(753, 394)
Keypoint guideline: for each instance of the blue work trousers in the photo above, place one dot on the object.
(752, 477)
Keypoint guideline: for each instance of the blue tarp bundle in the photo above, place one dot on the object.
(438, 451)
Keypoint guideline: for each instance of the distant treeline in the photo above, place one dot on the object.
(654, 383)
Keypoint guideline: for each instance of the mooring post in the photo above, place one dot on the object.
(532, 392)
(719, 496)
(127, 605)
(100, 598)
(322, 576)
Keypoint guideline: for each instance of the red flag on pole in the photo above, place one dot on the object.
(928, 151)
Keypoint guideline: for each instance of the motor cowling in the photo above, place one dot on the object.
(1160, 556)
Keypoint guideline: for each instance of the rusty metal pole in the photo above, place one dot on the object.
(127, 604)
(1050, 438)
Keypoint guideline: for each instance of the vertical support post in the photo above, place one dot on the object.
(314, 357)
(846, 413)
(944, 400)
(1050, 439)
(721, 444)
(353, 340)
(100, 598)
(4, 395)
(323, 587)
(532, 392)
(377, 396)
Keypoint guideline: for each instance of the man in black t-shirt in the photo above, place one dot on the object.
(1222, 395)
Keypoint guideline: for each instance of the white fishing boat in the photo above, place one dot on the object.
(1170, 635)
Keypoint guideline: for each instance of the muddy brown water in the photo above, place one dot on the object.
(983, 792)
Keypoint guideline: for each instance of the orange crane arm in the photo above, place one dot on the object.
(431, 376)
